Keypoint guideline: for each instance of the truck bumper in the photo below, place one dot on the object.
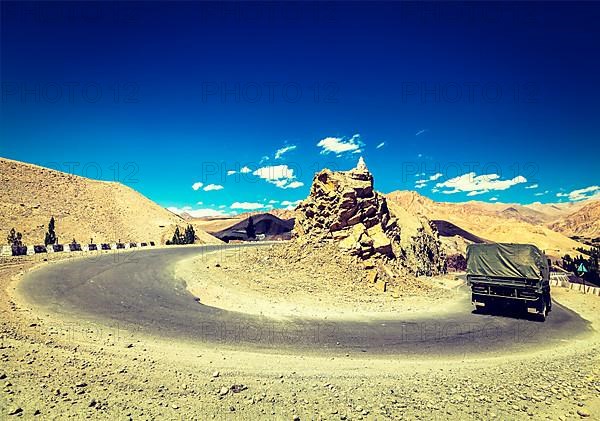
(518, 293)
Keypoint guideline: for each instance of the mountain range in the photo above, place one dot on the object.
(107, 211)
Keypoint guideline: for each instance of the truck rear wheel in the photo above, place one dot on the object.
(543, 310)
(542, 316)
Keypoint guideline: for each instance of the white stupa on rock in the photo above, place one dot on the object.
(361, 166)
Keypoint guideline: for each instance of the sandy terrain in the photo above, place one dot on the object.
(83, 208)
(245, 281)
(60, 369)
(69, 366)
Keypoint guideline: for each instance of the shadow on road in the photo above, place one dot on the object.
(511, 312)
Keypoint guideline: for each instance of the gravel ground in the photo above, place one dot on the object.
(60, 370)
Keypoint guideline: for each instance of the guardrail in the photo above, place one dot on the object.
(562, 280)
(559, 278)
(15, 251)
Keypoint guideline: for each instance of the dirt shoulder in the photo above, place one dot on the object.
(66, 370)
(253, 281)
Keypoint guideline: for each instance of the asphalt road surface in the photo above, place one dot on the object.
(137, 291)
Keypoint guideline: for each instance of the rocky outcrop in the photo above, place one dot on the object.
(343, 207)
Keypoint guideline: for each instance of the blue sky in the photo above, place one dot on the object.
(492, 102)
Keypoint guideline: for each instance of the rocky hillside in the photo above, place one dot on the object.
(214, 224)
(83, 208)
(266, 227)
(584, 222)
(344, 208)
(494, 222)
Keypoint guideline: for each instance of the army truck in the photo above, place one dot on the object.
(502, 274)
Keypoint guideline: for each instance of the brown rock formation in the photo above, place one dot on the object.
(343, 207)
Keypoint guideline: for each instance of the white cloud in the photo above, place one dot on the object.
(420, 174)
(247, 205)
(213, 187)
(381, 145)
(291, 203)
(340, 145)
(581, 194)
(197, 213)
(275, 172)
(423, 181)
(283, 150)
(273, 201)
(476, 192)
(541, 193)
(420, 132)
(222, 206)
(197, 185)
(533, 186)
(434, 190)
(243, 170)
(493, 199)
(294, 185)
(280, 175)
(478, 184)
(199, 203)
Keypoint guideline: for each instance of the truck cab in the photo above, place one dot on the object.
(501, 274)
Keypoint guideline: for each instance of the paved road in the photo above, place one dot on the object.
(138, 291)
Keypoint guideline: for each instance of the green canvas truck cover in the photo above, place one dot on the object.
(506, 261)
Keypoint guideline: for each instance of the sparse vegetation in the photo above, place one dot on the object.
(590, 259)
(51, 234)
(188, 237)
(250, 230)
(177, 237)
(456, 263)
(15, 238)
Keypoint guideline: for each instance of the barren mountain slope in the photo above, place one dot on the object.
(83, 208)
(265, 224)
(495, 222)
(214, 224)
(584, 222)
(280, 213)
(553, 211)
